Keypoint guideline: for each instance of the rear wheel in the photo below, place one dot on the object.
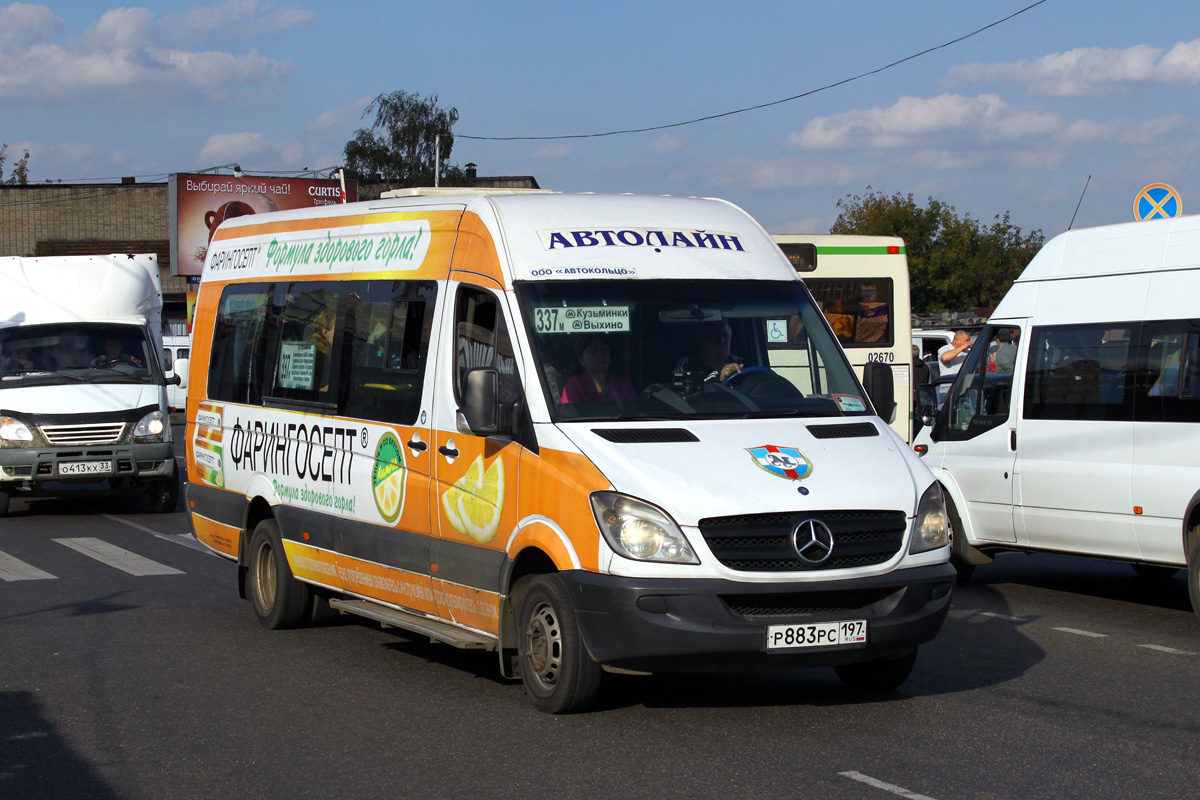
(559, 674)
(880, 674)
(1193, 568)
(279, 600)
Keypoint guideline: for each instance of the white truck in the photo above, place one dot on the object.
(83, 401)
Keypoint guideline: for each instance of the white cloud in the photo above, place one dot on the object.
(342, 116)
(556, 150)
(241, 19)
(237, 147)
(787, 173)
(667, 143)
(122, 56)
(939, 159)
(1090, 70)
(22, 25)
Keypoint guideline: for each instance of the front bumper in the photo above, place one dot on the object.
(656, 625)
(27, 468)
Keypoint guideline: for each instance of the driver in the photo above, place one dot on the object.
(711, 360)
(113, 353)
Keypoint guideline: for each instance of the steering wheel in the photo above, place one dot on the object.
(762, 383)
(737, 377)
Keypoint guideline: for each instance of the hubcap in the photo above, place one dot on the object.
(264, 577)
(543, 640)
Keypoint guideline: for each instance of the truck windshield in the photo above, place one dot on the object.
(678, 349)
(42, 355)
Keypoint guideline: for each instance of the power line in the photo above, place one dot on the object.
(809, 93)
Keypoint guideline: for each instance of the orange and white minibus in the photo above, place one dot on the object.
(546, 425)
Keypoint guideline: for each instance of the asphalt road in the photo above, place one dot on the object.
(1053, 678)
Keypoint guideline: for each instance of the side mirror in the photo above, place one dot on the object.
(180, 373)
(877, 380)
(926, 403)
(481, 408)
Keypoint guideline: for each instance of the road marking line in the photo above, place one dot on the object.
(13, 569)
(1171, 650)
(887, 787)
(1078, 632)
(1002, 616)
(118, 557)
(185, 539)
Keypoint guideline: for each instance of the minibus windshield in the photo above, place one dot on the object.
(679, 349)
(45, 355)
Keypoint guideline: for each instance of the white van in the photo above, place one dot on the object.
(175, 348)
(83, 404)
(1074, 425)
(543, 425)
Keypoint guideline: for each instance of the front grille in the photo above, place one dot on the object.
(94, 433)
(764, 542)
(791, 604)
(845, 430)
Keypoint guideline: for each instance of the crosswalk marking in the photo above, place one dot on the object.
(118, 557)
(13, 569)
(185, 539)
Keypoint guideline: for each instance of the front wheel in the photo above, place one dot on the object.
(1193, 568)
(559, 674)
(5, 498)
(164, 495)
(279, 600)
(880, 674)
(958, 545)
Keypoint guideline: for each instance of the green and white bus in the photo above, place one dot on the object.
(861, 285)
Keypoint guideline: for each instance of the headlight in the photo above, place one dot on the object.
(14, 433)
(149, 427)
(637, 530)
(931, 528)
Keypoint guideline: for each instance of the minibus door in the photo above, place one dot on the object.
(475, 487)
(980, 420)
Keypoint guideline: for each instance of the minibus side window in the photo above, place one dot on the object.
(384, 348)
(304, 366)
(238, 346)
(1081, 372)
(482, 340)
(1168, 386)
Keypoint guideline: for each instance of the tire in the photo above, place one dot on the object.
(5, 498)
(878, 675)
(1193, 568)
(164, 495)
(279, 600)
(958, 542)
(1154, 572)
(559, 674)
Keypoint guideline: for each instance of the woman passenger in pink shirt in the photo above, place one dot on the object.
(596, 383)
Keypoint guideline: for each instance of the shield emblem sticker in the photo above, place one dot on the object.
(784, 462)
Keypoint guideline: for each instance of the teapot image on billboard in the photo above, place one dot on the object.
(234, 208)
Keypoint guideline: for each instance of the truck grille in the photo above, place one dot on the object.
(792, 604)
(764, 542)
(94, 433)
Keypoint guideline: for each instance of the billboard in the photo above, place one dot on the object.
(201, 202)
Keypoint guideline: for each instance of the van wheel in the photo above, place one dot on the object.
(279, 600)
(559, 674)
(1193, 568)
(1153, 571)
(5, 497)
(164, 496)
(957, 545)
(878, 675)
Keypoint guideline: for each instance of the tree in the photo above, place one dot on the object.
(398, 149)
(20, 169)
(954, 264)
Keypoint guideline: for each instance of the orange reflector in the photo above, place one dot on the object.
(433, 567)
(921, 449)
(893, 250)
(306, 536)
(191, 503)
(1137, 509)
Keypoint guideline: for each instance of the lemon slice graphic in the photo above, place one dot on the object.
(387, 478)
(474, 502)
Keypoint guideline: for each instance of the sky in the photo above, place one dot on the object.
(1015, 119)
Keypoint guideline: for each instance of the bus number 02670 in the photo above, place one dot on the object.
(884, 357)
